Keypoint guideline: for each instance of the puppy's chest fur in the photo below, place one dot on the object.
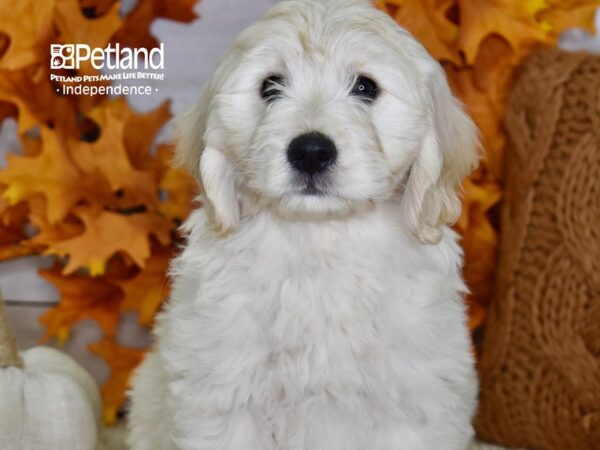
(349, 310)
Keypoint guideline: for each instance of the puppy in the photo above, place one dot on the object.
(318, 303)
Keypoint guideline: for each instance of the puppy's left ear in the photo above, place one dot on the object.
(211, 168)
(449, 152)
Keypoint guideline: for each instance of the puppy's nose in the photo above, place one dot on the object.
(311, 153)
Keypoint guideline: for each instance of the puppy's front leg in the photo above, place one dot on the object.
(149, 420)
(233, 430)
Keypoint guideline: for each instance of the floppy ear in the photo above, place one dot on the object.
(211, 168)
(448, 153)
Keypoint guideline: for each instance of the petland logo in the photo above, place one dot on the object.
(117, 67)
(70, 56)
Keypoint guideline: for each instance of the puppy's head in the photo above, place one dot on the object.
(323, 108)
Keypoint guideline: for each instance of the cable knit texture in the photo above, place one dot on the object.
(540, 365)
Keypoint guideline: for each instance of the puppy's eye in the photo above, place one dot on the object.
(365, 88)
(271, 88)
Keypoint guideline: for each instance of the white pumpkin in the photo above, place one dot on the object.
(47, 401)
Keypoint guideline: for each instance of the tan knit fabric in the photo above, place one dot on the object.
(540, 364)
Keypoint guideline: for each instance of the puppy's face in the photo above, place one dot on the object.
(321, 110)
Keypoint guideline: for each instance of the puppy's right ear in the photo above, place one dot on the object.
(448, 154)
(211, 168)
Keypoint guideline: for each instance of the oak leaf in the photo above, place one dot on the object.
(136, 29)
(89, 186)
(35, 100)
(143, 129)
(96, 8)
(12, 230)
(12, 219)
(108, 233)
(81, 297)
(15, 250)
(7, 109)
(480, 241)
(566, 14)
(178, 186)
(486, 114)
(145, 291)
(50, 234)
(31, 145)
(108, 155)
(53, 173)
(140, 130)
(514, 21)
(27, 23)
(74, 27)
(427, 20)
(493, 67)
(121, 361)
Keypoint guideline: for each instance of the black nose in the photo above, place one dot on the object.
(311, 153)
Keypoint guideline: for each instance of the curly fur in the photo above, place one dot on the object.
(317, 322)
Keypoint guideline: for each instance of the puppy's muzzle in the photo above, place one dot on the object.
(311, 153)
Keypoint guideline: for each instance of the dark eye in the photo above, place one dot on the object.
(365, 88)
(271, 88)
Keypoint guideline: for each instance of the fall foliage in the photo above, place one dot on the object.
(91, 189)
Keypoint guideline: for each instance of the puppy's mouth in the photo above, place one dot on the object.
(315, 186)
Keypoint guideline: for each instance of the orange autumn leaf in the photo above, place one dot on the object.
(81, 297)
(427, 20)
(480, 242)
(52, 173)
(12, 230)
(144, 128)
(26, 23)
(486, 114)
(141, 129)
(177, 10)
(178, 187)
(6, 109)
(493, 67)
(12, 219)
(480, 259)
(11, 251)
(108, 233)
(74, 27)
(136, 30)
(30, 146)
(89, 186)
(49, 234)
(145, 291)
(514, 21)
(35, 99)
(121, 361)
(570, 14)
(478, 199)
(109, 156)
(96, 8)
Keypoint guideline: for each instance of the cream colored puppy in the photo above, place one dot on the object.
(318, 302)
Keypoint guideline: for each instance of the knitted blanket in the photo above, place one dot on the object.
(540, 364)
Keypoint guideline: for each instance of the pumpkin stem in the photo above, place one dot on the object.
(9, 356)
